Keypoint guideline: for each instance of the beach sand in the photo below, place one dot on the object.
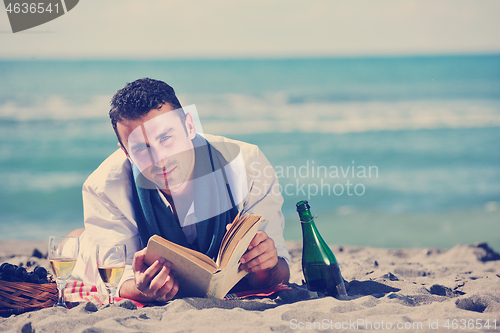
(407, 290)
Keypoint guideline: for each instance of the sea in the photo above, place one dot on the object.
(389, 151)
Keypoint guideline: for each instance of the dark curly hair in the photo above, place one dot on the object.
(137, 98)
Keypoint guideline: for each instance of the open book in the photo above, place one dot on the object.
(197, 274)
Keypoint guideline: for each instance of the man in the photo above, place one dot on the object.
(169, 180)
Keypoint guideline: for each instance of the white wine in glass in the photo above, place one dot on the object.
(111, 264)
(63, 251)
(62, 267)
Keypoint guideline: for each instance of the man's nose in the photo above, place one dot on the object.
(158, 156)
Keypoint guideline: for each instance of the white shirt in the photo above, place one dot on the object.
(188, 223)
(109, 217)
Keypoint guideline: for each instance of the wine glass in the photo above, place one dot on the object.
(63, 251)
(111, 261)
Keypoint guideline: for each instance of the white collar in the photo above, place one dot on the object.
(187, 219)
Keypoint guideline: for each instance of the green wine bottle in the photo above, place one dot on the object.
(319, 265)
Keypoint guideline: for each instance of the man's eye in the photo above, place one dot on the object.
(165, 138)
(140, 148)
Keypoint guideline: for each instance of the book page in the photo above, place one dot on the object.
(227, 277)
(194, 276)
(235, 238)
(237, 220)
(195, 256)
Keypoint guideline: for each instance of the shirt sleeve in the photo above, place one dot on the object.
(105, 223)
(264, 198)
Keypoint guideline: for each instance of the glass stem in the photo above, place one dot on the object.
(111, 293)
(60, 287)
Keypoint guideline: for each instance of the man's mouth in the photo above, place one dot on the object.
(166, 174)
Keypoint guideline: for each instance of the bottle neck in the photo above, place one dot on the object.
(309, 230)
(314, 248)
(305, 216)
(304, 212)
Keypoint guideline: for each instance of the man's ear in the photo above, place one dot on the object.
(126, 152)
(191, 130)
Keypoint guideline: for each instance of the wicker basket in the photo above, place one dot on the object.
(25, 295)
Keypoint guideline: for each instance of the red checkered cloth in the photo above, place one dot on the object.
(76, 292)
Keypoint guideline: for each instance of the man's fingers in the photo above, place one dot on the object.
(258, 249)
(264, 261)
(160, 279)
(261, 255)
(172, 291)
(144, 277)
(150, 272)
(258, 260)
(261, 263)
(169, 289)
(259, 237)
(138, 262)
(154, 281)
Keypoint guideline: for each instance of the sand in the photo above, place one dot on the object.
(404, 290)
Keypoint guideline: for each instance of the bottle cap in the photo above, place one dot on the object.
(302, 206)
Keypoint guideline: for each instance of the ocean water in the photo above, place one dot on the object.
(388, 151)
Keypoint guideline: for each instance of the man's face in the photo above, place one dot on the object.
(160, 146)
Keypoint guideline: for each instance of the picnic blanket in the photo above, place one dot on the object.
(76, 292)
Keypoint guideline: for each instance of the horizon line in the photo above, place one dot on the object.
(261, 57)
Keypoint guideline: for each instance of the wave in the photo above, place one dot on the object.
(244, 114)
(440, 181)
(16, 182)
(55, 108)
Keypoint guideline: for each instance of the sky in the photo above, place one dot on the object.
(165, 29)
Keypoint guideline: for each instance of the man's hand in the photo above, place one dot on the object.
(261, 254)
(153, 283)
(263, 264)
